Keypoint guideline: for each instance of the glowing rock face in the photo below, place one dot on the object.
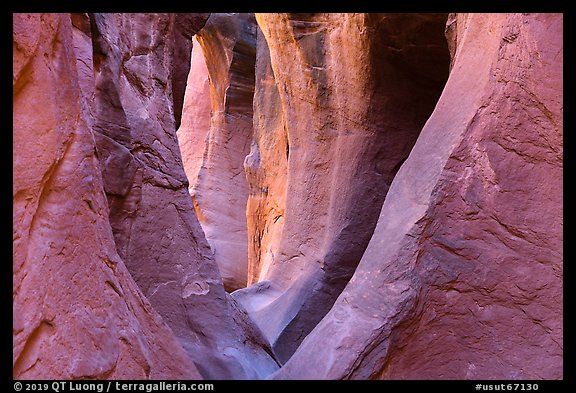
(382, 191)
(465, 264)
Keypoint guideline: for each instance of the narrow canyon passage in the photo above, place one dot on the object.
(126, 62)
(364, 128)
(215, 143)
(461, 278)
(287, 196)
(323, 151)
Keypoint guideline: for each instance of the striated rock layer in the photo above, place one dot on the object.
(219, 189)
(462, 278)
(338, 106)
(155, 227)
(77, 312)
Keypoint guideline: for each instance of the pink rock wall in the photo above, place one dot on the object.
(195, 117)
(155, 229)
(220, 190)
(77, 312)
(155, 226)
(387, 186)
(352, 96)
(462, 278)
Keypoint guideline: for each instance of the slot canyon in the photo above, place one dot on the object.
(239, 196)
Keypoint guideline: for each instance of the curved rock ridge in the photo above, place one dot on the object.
(217, 180)
(348, 196)
(195, 116)
(462, 278)
(77, 312)
(337, 108)
(155, 226)
(126, 93)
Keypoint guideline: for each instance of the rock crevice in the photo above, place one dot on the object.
(288, 196)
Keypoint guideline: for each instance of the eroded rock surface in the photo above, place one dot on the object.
(337, 110)
(195, 116)
(218, 184)
(396, 226)
(463, 275)
(77, 312)
(155, 227)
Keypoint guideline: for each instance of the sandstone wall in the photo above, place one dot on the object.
(155, 226)
(219, 189)
(381, 193)
(339, 107)
(462, 278)
(127, 96)
(77, 311)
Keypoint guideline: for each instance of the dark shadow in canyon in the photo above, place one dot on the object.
(407, 58)
(410, 65)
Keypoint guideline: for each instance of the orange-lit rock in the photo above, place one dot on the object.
(195, 116)
(387, 186)
(77, 312)
(266, 170)
(336, 114)
(219, 189)
(462, 278)
(155, 227)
